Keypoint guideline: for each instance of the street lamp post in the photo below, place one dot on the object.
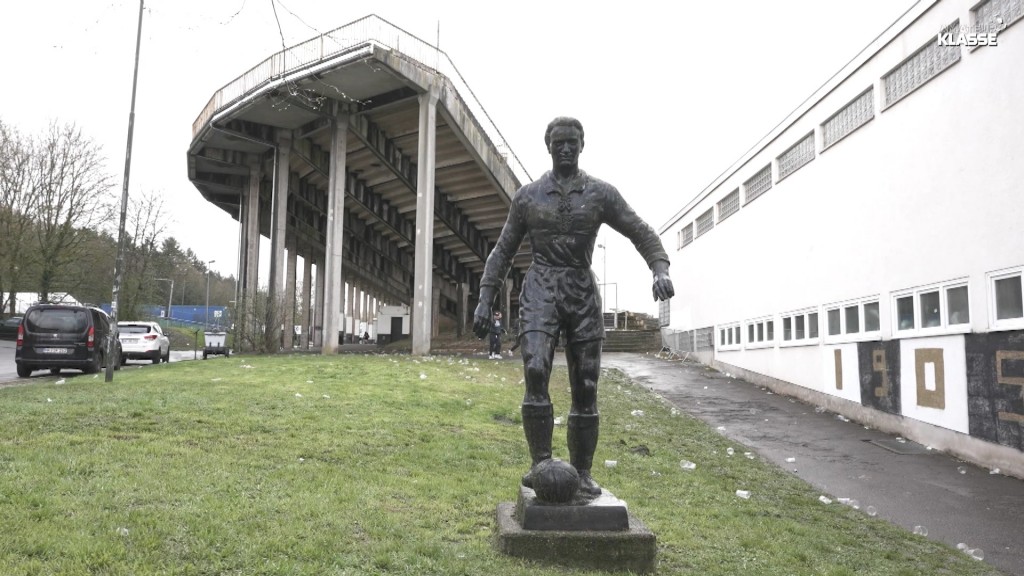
(604, 276)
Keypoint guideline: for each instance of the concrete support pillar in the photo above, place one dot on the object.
(435, 308)
(307, 301)
(289, 298)
(278, 226)
(318, 321)
(351, 315)
(334, 282)
(422, 317)
(461, 308)
(252, 242)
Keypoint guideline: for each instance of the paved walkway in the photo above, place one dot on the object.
(908, 484)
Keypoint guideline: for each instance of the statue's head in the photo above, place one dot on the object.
(564, 141)
(564, 121)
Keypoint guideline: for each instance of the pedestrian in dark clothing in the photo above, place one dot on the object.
(497, 329)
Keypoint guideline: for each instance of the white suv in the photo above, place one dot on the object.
(143, 340)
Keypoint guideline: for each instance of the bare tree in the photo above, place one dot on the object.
(146, 225)
(17, 205)
(73, 190)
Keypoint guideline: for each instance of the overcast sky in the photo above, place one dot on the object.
(669, 93)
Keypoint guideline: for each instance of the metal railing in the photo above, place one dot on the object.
(353, 37)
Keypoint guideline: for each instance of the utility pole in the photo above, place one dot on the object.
(119, 266)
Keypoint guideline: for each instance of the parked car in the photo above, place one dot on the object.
(9, 328)
(143, 341)
(58, 336)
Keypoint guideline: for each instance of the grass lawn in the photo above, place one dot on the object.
(382, 465)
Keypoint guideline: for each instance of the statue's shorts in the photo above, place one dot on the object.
(557, 299)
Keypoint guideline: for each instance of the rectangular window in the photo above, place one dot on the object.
(705, 222)
(1009, 300)
(812, 325)
(758, 335)
(760, 332)
(929, 305)
(730, 336)
(787, 329)
(833, 322)
(750, 333)
(905, 313)
(852, 319)
(729, 205)
(852, 116)
(796, 156)
(957, 306)
(757, 184)
(929, 61)
(799, 327)
(771, 330)
(871, 319)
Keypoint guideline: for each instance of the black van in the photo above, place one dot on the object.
(57, 336)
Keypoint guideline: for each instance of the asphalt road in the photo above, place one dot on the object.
(9, 374)
(903, 482)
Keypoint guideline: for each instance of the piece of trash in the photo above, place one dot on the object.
(655, 473)
(962, 469)
(469, 402)
(687, 465)
(641, 449)
(920, 530)
(705, 387)
(611, 463)
(871, 510)
(901, 440)
(216, 380)
(301, 459)
(62, 381)
(326, 397)
(994, 471)
(842, 418)
(790, 459)
(423, 376)
(49, 399)
(721, 428)
(637, 413)
(309, 381)
(843, 500)
(749, 455)
(122, 531)
(729, 451)
(674, 412)
(976, 553)
(819, 409)
(297, 395)
(745, 494)
(824, 499)
(558, 421)
(962, 547)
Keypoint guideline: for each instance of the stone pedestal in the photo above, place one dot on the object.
(599, 535)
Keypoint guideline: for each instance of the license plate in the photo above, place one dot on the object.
(56, 351)
(130, 340)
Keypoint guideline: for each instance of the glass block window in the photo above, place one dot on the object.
(796, 156)
(924, 65)
(852, 116)
(705, 221)
(704, 339)
(664, 313)
(685, 236)
(729, 205)
(998, 14)
(757, 184)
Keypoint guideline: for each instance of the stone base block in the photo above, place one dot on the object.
(633, 549)
(606, 512)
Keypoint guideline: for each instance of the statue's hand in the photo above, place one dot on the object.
(482, 319)
(662, 289)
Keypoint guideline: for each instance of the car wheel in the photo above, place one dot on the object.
(167, 356)
(55, 371)
(156, 359)
(95, 365)
(24, 371)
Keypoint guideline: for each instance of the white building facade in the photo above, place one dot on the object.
(867, 255)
